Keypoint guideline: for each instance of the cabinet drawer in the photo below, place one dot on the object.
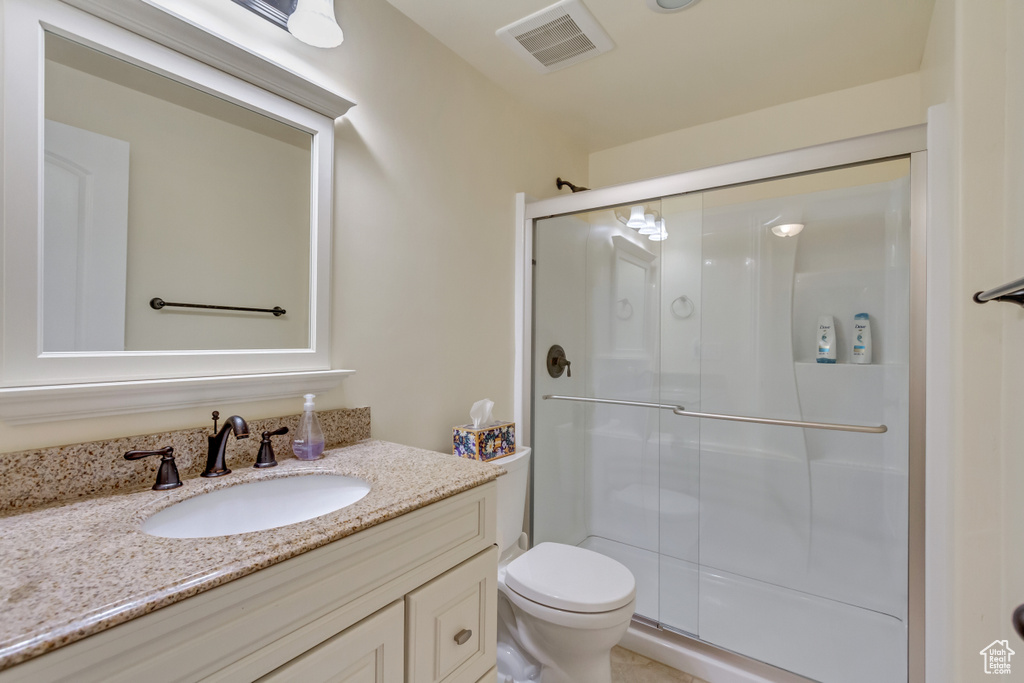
(451, 623)
(369, 652)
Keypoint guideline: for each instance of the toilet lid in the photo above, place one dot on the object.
(570, 578)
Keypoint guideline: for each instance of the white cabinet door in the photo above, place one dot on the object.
(452, 623)
(371, 651)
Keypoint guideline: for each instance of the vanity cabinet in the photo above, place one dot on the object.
(391, 603)
(449, 623)
(369, 652)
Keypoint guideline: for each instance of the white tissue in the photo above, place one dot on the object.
(480, 413)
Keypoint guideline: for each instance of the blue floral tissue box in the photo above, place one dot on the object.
(486, 443)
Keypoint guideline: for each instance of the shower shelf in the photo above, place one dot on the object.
(844, 362)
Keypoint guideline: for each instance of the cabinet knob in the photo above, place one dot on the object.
(462, 636)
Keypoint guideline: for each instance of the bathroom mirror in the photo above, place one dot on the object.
(153, 189)
(137, 179)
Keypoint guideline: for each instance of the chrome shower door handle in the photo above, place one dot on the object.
(862, 429)
(679, 410)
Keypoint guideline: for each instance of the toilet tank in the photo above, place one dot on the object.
(512, 497)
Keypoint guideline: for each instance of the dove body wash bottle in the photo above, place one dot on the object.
(826, 342)
(861, 339)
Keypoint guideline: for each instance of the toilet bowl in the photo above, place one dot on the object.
(561, 608)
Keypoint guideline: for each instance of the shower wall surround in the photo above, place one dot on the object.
(785, 544)
(46, 476)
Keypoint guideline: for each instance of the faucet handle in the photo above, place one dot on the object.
(265, 458)
(167, 475)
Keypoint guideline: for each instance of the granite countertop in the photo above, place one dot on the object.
(69, 571)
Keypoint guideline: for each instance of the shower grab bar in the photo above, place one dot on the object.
(1011, 291)
(679, 410)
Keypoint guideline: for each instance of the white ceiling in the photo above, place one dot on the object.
(716, 59)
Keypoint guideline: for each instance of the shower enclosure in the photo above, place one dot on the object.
(782, 537)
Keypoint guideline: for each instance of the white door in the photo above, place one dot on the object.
(85, 240)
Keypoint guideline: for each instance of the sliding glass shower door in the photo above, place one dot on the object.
(596, 284)
(784, 542)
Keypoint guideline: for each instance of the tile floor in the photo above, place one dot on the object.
(629, 667)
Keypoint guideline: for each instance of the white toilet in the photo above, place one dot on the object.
(561, 609)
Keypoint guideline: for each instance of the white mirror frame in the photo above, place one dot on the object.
(37, 386)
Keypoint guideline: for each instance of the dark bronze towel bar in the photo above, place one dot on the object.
(158, 303)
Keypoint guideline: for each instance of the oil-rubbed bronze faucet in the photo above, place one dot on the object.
(215, 464)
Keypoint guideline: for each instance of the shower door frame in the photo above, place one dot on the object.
(904, 142)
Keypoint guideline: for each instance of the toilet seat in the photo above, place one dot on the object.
(579, 621)
(565, 577)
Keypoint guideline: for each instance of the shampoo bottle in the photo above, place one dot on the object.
(308, 443)
(861, 338)
(826, 339)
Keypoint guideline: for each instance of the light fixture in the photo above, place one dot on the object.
(665, 6)
(662, 233)
(313, 22)
(787, 229)
(636, 218)
(650, 227)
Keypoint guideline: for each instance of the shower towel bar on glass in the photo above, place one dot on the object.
(1011, 291)
(679, 410)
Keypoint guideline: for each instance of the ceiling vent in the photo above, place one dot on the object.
(556, 37)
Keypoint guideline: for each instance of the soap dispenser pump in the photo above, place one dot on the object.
(308, 443)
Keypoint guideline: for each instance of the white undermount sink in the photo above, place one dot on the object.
(256, 506)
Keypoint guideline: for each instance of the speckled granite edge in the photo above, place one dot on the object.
(59, 474)
(67, 572)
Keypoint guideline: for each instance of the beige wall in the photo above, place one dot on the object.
(871, 108)
(975, 64)
(427, 167)
(1012, 394)
(218, 213)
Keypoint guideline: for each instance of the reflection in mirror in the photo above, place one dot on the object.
(157, 189)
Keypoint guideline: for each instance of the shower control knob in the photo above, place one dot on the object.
(558, 363)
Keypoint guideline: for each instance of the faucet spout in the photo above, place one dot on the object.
(215, 458)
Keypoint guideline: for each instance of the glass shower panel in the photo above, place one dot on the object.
(803, 532)
(559, 492)
(596, 294)
(679, 505)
